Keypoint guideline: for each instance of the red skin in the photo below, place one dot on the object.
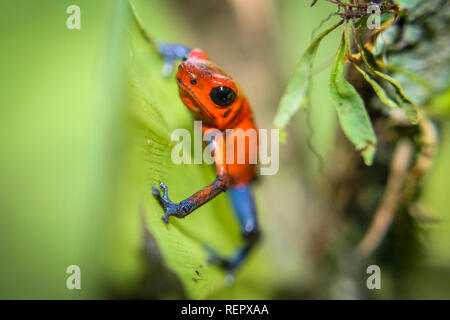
(238, 115)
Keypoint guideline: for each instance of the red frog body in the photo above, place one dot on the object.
(217, 100)
(196, 78)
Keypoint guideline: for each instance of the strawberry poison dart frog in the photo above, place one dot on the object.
(216, 99)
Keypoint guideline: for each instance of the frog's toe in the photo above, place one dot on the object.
(216, 259)
(170, 208)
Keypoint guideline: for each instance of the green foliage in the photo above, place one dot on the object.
(155, 110)
(296, 93)
(85, 132)
(417, 49)
(381, 93)
(82, 150)
(350, 108)
(60, 145)
(352, 114)
(374, 67)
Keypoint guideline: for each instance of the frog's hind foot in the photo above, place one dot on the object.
(231, 264)
(215, 258)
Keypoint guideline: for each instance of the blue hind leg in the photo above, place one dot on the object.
(245, 211)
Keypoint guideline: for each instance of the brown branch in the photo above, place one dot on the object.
(358, 5)
(385, 212)
(425, 157)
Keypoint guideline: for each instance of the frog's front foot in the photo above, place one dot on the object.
(179, 210)
(171, 52)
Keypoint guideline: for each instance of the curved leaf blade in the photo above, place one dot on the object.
(152, 111)
(402, 99)
(296, 92)
(377, 88)
(351, 111)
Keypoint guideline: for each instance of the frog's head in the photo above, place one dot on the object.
(207, 90)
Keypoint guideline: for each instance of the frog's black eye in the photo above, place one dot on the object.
(222, 96)
(194, 81)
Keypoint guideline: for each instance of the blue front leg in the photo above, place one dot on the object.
(170, 53)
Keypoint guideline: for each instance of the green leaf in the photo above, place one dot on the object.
(154, 110)
(351, 111)
(381, 93)
(296, 92)
(407, 105)
(377, 88)
(85, 133)
(410, 109)
(403, 101)
(396, 85)
(60, 142)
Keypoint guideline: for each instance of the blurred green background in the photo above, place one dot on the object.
(85, 127)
